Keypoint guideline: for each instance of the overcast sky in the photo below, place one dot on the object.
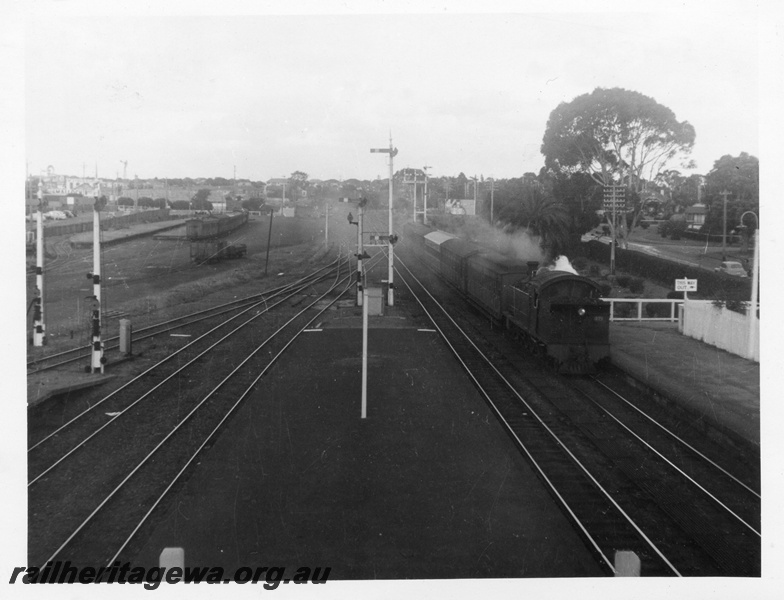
(195, 96)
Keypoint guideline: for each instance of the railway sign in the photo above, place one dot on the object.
(378, 239)
(685, 285)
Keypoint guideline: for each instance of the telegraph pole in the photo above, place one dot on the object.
(269, 238)
(614, 198)
(326, 223)
(724, 194)
(492, 189)
(38, 302)
(612, 246)
(392, 152)
(424, 215)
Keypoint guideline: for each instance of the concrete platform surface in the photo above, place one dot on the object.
(427, 487)
(111, 236)
(715, 386)
(42, 386)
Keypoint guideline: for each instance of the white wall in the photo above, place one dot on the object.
(720, 327)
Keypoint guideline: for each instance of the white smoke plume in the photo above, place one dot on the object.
(508, 241)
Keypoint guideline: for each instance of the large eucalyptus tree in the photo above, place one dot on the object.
(616, 136)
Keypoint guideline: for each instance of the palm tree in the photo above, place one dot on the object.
(541, 216)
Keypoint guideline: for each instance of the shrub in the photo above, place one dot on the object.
(606, 290)
(623, 280)
(594, 271)
(622, 310)
(637, 285)
(677, 229)
(645, 224)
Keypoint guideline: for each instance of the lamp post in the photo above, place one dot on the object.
(392, 153)
(743, 225)
(752, 313)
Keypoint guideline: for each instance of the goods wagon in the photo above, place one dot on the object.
(211, 227)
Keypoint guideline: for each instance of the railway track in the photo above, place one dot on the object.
(129, 469)
(619, 494)
(66, 357)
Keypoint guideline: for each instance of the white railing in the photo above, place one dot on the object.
(633, 309)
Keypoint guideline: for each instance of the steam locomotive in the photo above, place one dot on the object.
(556, 313)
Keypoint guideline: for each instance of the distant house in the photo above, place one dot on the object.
(85, 189)
(465, 206)
(695, 216)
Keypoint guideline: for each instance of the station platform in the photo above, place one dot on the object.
(115, 236)
(719, 389)
(42, 386)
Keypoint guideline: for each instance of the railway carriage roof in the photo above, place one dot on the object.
(501, 263)
(460, 248)
(438, 237)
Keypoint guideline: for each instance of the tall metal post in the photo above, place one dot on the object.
(326, 223)
(96, 361)
(39, 330)
(392, 152)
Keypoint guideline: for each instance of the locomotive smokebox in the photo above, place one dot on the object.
(532, 265)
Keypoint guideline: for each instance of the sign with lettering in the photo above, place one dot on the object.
(685, 285)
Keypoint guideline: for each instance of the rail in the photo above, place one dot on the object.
(656, 309)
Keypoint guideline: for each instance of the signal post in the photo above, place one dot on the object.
(392, 153)
(39, 330)
(361, 255)
(97, 359)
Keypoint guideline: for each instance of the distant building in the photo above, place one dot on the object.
(465, 206)
(695, 216)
